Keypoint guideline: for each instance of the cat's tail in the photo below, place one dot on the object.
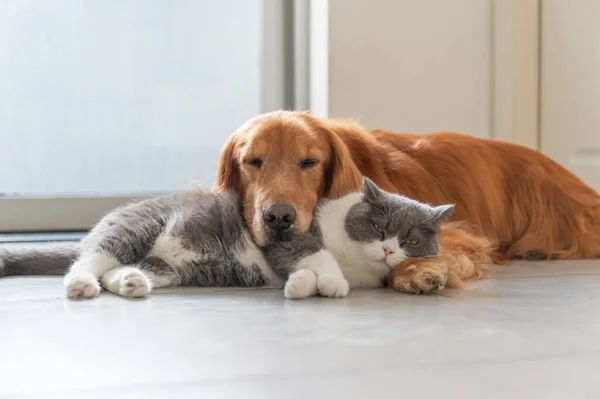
(43, 260)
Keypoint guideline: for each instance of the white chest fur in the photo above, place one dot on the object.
(359, 270)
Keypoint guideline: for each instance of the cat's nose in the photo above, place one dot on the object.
(279, 217)
(387, 251)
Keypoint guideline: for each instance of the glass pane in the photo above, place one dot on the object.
(104, 97)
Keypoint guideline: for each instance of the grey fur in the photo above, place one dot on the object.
(397, 216)
(284, 255)
(49, 259)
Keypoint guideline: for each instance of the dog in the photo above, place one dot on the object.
(511, 201)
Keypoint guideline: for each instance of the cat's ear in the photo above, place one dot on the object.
(370, 190)
(442, 213)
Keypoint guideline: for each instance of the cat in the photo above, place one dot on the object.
(200, 239)
(355, 241)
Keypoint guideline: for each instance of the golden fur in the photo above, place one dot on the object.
(511, 201)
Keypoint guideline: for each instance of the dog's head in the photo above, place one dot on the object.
(280, 164)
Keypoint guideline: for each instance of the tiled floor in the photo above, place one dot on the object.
(528, 331)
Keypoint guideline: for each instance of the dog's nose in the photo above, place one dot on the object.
(279, 216)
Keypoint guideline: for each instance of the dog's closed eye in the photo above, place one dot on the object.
(254, 161)
(308, 163)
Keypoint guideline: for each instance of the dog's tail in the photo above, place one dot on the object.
(43, 260)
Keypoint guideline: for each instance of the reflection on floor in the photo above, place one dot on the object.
(530, 330)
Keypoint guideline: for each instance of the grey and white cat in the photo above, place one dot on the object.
(200, 239)
(355, 241)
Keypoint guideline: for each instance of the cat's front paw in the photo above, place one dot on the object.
(81, 285)
(332, 286)
(301, 284)
(419, 276)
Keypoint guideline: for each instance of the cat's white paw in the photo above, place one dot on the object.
(332, 286)
(81, 285)
(134, 284)
(301, 284)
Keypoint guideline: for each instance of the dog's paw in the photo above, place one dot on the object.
(301, 284)
(419, 276)
(332, 286)
(133, 283)
(81, 285)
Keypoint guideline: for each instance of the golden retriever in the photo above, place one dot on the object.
(511, 201)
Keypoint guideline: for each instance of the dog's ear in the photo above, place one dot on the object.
(341, 173)
(228, 169)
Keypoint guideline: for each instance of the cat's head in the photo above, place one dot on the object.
(392, 227)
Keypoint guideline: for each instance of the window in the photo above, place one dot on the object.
(102, 101)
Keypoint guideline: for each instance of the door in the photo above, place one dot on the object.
(570, 86)
(105, 101)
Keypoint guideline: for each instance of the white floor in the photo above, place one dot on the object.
(531, 330)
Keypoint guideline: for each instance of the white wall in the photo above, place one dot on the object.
(412, 65)
(570, 86)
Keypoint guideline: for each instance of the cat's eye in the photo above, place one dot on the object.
(254, 161)
(411, 242)
(377, 228)
(308, 163)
